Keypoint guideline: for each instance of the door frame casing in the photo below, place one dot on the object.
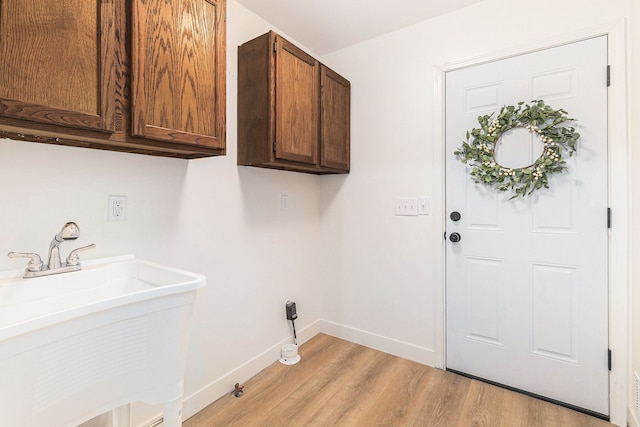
(619, 199)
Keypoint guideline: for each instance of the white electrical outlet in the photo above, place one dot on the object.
(117, 208)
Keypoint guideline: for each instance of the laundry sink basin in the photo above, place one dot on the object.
(29, 304)
(78, 344)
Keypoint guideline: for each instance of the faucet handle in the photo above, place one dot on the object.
(35, 263)
(73, 258)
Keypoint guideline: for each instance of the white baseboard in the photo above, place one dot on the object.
(632, 418)
(224, 385)
(423, 355)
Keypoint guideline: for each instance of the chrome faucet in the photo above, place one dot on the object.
(36, 268)
(70, 231)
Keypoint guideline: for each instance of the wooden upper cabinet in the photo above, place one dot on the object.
(293, 112)
(297, 105)
(141, 76)
(335, 119)
(178, 71)
(57, 62)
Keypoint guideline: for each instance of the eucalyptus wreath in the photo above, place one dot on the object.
(548, 124)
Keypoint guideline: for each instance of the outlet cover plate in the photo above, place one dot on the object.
(117, 209)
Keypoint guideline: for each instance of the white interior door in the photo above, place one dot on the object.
(527, 292)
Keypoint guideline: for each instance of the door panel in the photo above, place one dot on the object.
(554, 312)
(527, 288)
(483, 322)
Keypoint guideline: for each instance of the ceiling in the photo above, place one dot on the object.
(324, 26)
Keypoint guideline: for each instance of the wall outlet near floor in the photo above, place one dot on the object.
(117, 208)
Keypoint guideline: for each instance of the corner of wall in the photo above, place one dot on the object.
(224, 385)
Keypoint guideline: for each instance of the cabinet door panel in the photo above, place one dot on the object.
(335, 119)
(179, 71)
(56, 62)
(296, 104)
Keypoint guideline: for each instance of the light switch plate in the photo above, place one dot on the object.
(406, 207)
(424, 206)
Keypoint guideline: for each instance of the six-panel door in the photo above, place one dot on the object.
(527, 290)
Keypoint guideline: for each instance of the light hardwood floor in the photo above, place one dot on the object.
(338, 383)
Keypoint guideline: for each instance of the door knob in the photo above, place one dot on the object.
(455, 216)
(455, 237)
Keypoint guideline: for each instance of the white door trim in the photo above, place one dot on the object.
(619, 200)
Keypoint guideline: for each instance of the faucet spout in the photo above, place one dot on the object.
(70, 231)
(35, 268)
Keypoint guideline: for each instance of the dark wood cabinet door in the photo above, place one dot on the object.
(57, 62)
(293, 112)
(335, 120)
(297, 104)
(178, 71)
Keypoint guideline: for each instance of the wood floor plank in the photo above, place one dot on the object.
(487, 405)
(443, 400)
(338, 383)
(302, 410)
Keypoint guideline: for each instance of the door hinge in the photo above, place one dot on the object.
(608, 75)
(608, 217)
(275, 46)
(609, 359)
(274, 146)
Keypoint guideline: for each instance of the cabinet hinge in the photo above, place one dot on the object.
(274, 146)
(608, 217)
(275, 46)
(609, 359)
(608, 75)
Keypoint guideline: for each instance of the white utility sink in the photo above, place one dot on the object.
(75, 345)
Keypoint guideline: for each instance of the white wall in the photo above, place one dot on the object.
(206, 215)
(387, 278)
(44, 186)
(338, 252)
(634, 98)
(255, 256)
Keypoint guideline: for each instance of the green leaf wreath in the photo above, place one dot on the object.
(479, 151)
